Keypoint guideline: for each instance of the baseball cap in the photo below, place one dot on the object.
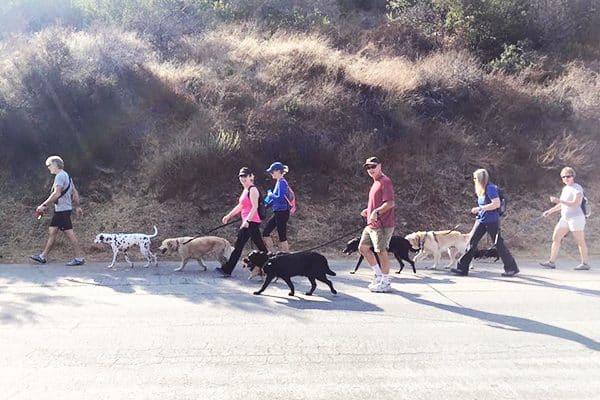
(245, 171)
(276, 166)
(372, 161)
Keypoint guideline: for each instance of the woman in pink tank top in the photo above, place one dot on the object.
(250, 228)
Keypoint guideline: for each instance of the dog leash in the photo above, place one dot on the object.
(333, 240)
(532, 221)
(212, 230)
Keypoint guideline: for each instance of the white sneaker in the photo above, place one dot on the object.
(582, 267)
(381, 287)
(387, 283)
(374, 282)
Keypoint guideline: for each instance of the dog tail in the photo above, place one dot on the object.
(329, 271)
(155, 232)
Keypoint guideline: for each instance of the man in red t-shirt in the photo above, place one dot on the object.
(380, 225)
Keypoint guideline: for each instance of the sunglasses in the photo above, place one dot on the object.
(371, 166)
(566, 176)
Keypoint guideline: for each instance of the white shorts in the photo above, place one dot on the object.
(573, 224)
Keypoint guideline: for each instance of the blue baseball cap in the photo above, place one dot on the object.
(276, 166)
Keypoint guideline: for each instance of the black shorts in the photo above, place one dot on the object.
(62, 220)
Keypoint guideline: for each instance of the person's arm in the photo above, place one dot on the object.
(254, 210)
(575, 202)
(56, 192)
(281, 189)
(551, 210)
(76, 200)
(235, 211)
(491, 206)
(491, 192)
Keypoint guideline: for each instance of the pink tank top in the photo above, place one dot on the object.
(247, 207)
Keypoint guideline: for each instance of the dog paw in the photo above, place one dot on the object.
(308, 293)
(290, 293)
(257, 293)
(178, 269)
(109, 266)
(352, 272)
(334, 291)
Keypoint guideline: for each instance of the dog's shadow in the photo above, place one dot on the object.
(340, 302)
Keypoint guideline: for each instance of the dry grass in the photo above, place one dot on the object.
(238, 96)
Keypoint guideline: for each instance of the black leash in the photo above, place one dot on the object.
(333, 240)
(212, 230)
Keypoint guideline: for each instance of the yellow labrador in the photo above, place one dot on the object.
(436, 242)
(205, 248)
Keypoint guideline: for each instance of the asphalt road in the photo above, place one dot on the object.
(93, 333)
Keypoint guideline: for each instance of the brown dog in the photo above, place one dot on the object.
(206, 248)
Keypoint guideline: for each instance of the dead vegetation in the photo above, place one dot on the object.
(153, 138)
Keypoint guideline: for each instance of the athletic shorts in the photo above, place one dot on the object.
(574, 224)
(379, 239)
(62, 220)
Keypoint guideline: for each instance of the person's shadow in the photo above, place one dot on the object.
(508, 322)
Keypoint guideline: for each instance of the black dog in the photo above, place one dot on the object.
(398, 246)
(487, 253)
(310, 264)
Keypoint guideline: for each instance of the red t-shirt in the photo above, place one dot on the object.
(381, 191)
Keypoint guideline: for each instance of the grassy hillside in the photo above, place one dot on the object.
(155, 105)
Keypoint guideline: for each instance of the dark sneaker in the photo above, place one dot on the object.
(76, 261)
(39, 258)
(510, 273)
(460, 272)
(222, 273)
(548, 264)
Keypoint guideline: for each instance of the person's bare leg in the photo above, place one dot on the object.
(52, 233)
(583, 250)
(75, 243)
(557, 236)
(385, 262)
(368, 255)
(269, 243)
(284, 246)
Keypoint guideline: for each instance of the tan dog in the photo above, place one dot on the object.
(434, 243)
(205, 248)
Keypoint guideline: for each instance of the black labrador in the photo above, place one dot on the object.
(398, 246)
(487, 253)
(310, 264)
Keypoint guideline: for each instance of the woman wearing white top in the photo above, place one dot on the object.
(572, 219)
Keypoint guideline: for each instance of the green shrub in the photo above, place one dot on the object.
(512, 60)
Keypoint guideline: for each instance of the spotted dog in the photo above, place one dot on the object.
(124, 241)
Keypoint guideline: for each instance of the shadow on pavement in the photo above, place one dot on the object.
(533, 280)
(502, 321)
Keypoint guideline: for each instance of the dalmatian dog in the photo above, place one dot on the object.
(124, 241)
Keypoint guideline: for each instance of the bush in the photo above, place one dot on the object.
(512, 60)
(80, 94)
(195, 157)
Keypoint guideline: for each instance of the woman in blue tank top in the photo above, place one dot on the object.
(487, 220)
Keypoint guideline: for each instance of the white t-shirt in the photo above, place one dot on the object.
(64, 203)
(568, 194)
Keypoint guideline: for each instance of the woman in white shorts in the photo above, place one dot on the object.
(572, 219)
